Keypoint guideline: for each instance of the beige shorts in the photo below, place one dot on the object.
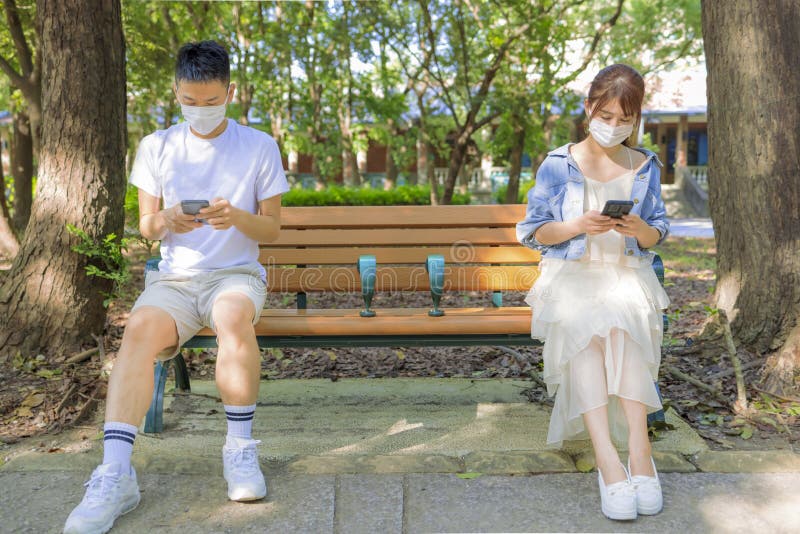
(190, 300)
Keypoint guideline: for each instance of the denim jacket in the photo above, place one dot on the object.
(558, 196)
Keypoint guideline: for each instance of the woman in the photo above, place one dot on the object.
(597, 302)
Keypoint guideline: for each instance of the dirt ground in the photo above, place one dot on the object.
(40, 395)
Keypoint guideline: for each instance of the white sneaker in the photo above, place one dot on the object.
(241, 470)
(618, 500)
(648, 491)
(109, 494)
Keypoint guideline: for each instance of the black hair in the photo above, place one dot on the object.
(205, 61)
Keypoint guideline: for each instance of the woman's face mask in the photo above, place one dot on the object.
(608, 136)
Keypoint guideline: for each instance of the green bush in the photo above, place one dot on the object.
(132, 207)
(522, 197)
(106, 260)
(403, 195)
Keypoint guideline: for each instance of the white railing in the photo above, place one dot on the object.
(699, 174)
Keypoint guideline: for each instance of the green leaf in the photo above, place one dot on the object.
(468, 476)
(747, 432)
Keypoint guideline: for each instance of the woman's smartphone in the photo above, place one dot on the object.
(193, 207)
(617, 208)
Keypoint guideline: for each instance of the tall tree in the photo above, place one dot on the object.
(48, 304)
(754, 190)
(20, 62)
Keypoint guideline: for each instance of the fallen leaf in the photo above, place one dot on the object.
(33, 400)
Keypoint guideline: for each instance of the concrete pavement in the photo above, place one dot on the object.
(691, 227)
(395, 455)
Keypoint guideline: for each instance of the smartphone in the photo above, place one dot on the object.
(617, 208)
(192, 207)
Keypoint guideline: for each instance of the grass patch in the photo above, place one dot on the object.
(689, 253)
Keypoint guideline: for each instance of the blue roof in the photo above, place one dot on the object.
(689, 110)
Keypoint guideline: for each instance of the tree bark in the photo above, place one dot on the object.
(22, 170)
(47, 302)
(754, 191)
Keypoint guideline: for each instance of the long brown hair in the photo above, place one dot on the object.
(622, 83)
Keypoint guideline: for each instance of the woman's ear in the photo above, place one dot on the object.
(587, 108)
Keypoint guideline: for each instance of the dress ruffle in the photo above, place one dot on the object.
(598, 320)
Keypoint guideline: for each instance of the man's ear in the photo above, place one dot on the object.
(231, 92)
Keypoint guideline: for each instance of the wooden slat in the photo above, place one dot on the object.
(392, 321)
(393, 236)
(401, 216)
(346, 279)
(463, 253)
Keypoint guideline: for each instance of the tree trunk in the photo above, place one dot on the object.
(47, 302)
(391, 169)
(457, 156)
(22, 170)
(9, 246)
(350, 175)
(512, 192)
(754, 190)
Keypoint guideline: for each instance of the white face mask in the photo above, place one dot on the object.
(203, 119)
(607, 135)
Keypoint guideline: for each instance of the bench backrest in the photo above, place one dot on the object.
(319, 247)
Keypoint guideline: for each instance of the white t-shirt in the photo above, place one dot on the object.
(242, 165)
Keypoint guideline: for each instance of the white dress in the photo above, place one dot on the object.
(600, 318)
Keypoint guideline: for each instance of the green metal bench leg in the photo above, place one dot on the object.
(181, 373)
(497, 299)
(367, 270)
(154, 422)
(658, 267)
(659, 415)
(435, 267)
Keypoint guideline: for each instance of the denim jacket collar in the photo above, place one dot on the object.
(576, 176)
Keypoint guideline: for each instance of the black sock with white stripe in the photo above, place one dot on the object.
(118, 441)
(240, 420)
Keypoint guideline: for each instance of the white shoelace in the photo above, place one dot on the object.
(245, 459)
(101, 487)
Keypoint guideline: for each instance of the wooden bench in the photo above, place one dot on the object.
(366, 250)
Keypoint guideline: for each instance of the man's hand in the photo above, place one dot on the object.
(221, 215)
(593, 223)
(178, 222)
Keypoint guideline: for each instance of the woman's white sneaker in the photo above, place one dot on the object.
(109, 494)
(648, 491)
(618, 500)
(241, 470)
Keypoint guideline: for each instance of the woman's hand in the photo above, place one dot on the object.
(633, 226)
(593, 223)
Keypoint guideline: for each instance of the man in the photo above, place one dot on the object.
(209, 275)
